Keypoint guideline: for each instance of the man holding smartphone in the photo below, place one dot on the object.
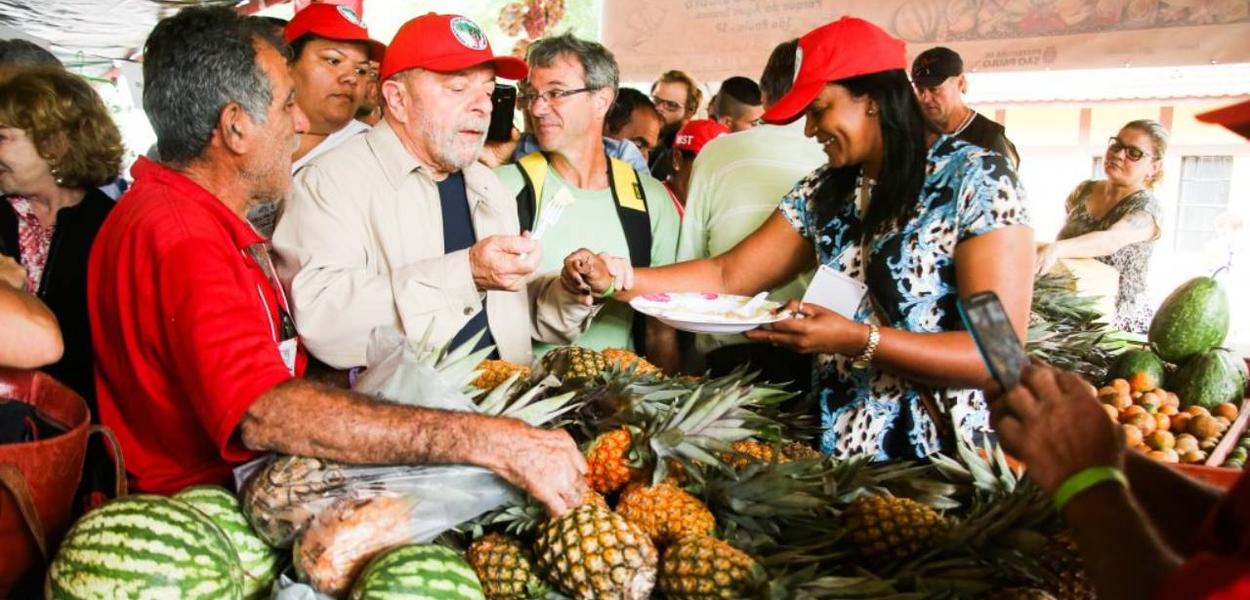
(402, 227)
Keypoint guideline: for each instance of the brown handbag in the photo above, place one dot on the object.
(38, 479)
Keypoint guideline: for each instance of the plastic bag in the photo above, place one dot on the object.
(322, 500)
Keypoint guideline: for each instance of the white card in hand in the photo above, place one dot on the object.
(835, 291)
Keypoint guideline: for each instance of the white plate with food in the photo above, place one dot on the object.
(709, 313)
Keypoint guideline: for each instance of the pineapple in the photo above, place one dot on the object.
(705, 568)
(495, 372)
(665, 512)
(799, 451)
(746, 452)
(1062, 559)
(505, 568)
(624, 359)
(891, 528)
(574, 363)
(592, 552)
(608, 462)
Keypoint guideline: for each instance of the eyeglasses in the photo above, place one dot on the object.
(552, 97)
(1133, 153)
(668, 105)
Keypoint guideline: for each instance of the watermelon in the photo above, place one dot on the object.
(1193, 319)
(261, 564)
(1210, 379)
(145, 546)
(1133, 362)
(418, 571)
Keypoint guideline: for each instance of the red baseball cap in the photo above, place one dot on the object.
(695, 134)
(1235, 117)
(446, 43)
(332, 22)
(845, 48)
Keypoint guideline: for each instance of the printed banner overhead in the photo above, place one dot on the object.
(715, 39)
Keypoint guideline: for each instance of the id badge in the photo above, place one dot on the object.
(289, 349)
(835, 291)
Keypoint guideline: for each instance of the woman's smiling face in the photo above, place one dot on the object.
(845, 125)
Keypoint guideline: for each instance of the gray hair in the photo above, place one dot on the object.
(598, 63)
(194, 64)
(26, 54)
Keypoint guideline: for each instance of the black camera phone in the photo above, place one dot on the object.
(503, 107)
(987, 321)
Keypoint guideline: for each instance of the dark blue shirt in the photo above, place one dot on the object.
(458, 234)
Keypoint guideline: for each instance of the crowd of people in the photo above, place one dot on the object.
(310, 185)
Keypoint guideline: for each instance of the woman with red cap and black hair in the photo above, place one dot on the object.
(921, 221)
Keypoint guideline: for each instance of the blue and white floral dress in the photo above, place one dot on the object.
(967, 191)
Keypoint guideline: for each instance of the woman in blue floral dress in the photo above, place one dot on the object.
(921, 219)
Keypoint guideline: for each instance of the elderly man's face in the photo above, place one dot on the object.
(441, 117)
(267, 168)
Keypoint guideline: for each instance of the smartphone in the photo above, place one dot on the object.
(503, 107)
(987, 321)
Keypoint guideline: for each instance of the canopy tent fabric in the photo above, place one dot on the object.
(88, 35)
(715, 39)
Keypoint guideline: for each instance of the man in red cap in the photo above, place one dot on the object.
(332, 53)
(198, 362)
(402, 227)
(687, 144)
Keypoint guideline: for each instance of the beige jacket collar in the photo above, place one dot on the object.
(397, 163)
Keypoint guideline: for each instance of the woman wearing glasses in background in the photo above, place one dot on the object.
(1116, 220)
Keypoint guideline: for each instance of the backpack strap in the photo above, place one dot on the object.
(631, 208)
(533, 168)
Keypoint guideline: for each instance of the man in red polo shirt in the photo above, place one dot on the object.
(197, 359)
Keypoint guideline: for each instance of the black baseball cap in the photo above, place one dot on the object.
(935, 65)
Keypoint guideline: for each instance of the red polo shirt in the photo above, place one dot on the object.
(185, 326)
(1220, 568)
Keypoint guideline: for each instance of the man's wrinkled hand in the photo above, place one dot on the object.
(504, 262)
(546, 464)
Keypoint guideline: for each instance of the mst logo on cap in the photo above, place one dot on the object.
(468, 33)
(350, 15)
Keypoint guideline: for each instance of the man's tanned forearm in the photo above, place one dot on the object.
(309, 419)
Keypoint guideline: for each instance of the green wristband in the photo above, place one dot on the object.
(611, 289)
(1084, 480)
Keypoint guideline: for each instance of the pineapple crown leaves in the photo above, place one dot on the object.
(529, 407)
(702, 426)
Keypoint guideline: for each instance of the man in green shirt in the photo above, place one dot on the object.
(736, 184)
(571, 85)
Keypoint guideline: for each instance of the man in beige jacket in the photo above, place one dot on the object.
(402, 227)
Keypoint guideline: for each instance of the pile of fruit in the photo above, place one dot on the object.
(1236, 459)
(1154, 423)
(701, 489)
(1207, 382)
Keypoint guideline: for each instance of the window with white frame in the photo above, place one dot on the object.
(1203, 199)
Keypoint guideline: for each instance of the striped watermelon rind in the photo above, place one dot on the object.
(145, 546)
(261, 563)
(418, 571)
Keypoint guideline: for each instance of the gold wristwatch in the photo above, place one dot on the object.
(864, 360)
